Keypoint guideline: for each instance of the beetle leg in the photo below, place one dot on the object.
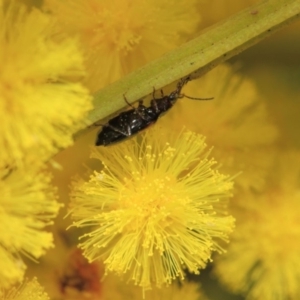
(153, 93)
(129, 104)
(154, 105)
(116, 129)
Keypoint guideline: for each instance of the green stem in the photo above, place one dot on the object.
(197, 56)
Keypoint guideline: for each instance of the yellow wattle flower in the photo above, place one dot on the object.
(236, 122)
(40, 106)
(156, 209)
(27, 205)
(118, 37)
(262, 259)
(29, 290)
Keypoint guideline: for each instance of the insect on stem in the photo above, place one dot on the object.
(130, 122)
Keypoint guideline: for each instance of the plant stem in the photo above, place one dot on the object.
(198, 56)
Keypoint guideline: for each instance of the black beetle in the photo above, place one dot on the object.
(130, 122)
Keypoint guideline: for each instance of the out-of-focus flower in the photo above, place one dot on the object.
(40, 106)
(27, 205)
(216, 11)
(80, 279)
(156, 209)
(120, 36)
(30, 290)
(263, 259)
(235, 122)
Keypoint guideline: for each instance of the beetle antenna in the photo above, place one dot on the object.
(193, 98)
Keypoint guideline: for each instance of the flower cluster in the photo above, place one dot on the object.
(41, 106)
(154, 208)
